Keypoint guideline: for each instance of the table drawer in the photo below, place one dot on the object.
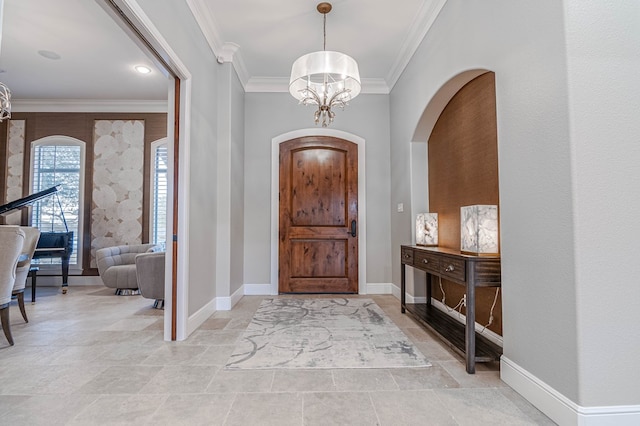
(453, 268)
(427, 262)
(406, 256)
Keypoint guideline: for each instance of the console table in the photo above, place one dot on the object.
(467, 270)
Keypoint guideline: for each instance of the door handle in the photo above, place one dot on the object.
(353, 228)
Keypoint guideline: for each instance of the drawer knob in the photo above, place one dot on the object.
(425, 261)
(449, 268)
(406, 256)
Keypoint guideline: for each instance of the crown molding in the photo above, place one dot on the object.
(418, 30)
(267, 85)
(230, 52)
(224, 52)
(227, 52)
(207, 24)
(377, 86)
(75, 105)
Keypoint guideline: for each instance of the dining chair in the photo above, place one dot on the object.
(11, 243)
(31, 236)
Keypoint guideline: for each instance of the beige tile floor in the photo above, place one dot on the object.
(90, 357)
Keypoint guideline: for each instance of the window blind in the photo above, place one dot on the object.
(58, 165)
(159, 191)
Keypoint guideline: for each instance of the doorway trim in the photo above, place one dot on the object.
(142, 30)
(362, 205)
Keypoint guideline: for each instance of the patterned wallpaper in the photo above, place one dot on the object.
(15, 160)
(116, 211)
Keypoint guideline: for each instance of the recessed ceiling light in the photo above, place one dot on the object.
(143, 69)
(49, 54)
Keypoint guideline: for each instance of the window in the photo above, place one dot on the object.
(159, 160)
(59, 160)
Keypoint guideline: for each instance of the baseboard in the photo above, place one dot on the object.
(560, 408)
(494, 337)
(490, 335)
(217, 304)
(395, 291)
(201, 315)
(226, 303)
(379, 288)
(257, 289)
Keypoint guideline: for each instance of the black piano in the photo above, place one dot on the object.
(50, 244)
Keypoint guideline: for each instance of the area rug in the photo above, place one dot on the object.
(323, 333)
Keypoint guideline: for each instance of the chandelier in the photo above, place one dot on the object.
(5, 102)
(5, 93)
(325, 79)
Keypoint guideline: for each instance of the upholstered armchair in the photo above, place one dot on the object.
(117, 267)
(150, 272)
(11, 243)
(31, 236)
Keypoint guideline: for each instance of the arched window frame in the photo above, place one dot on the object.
(60, 140)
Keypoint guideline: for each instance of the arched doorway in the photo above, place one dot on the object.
(318, 216)
(362, 208)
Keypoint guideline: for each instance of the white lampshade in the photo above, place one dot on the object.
(313, 70)
(427, 229)
(479, 229)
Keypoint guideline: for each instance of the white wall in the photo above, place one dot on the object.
(522, 42)
(568, 154)
(604, 64)
(268, 115)
(176, 23)
(230, 194)
(237, 185)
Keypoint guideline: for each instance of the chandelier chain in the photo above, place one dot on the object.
(324, 31)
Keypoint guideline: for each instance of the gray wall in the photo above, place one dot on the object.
(603, 67)
(553, 269)
(237, 184)
(268, 115)
(568, 153)
(230, 199)
(176, 23)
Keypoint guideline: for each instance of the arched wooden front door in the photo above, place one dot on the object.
(318, 216)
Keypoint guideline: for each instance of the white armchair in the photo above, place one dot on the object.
(117, 267)
(150, 272)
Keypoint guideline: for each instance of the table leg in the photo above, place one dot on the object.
(33, 272)
(65, 274)
(403, 294)
(470, 328)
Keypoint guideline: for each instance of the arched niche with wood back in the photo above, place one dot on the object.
(460, 127)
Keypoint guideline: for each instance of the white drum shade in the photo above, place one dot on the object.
(326, 73)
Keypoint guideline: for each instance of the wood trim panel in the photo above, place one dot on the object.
(463, 170)
(175, 224)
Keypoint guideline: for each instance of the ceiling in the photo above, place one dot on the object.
(261, 38)
(97, 58)
(270, 35)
